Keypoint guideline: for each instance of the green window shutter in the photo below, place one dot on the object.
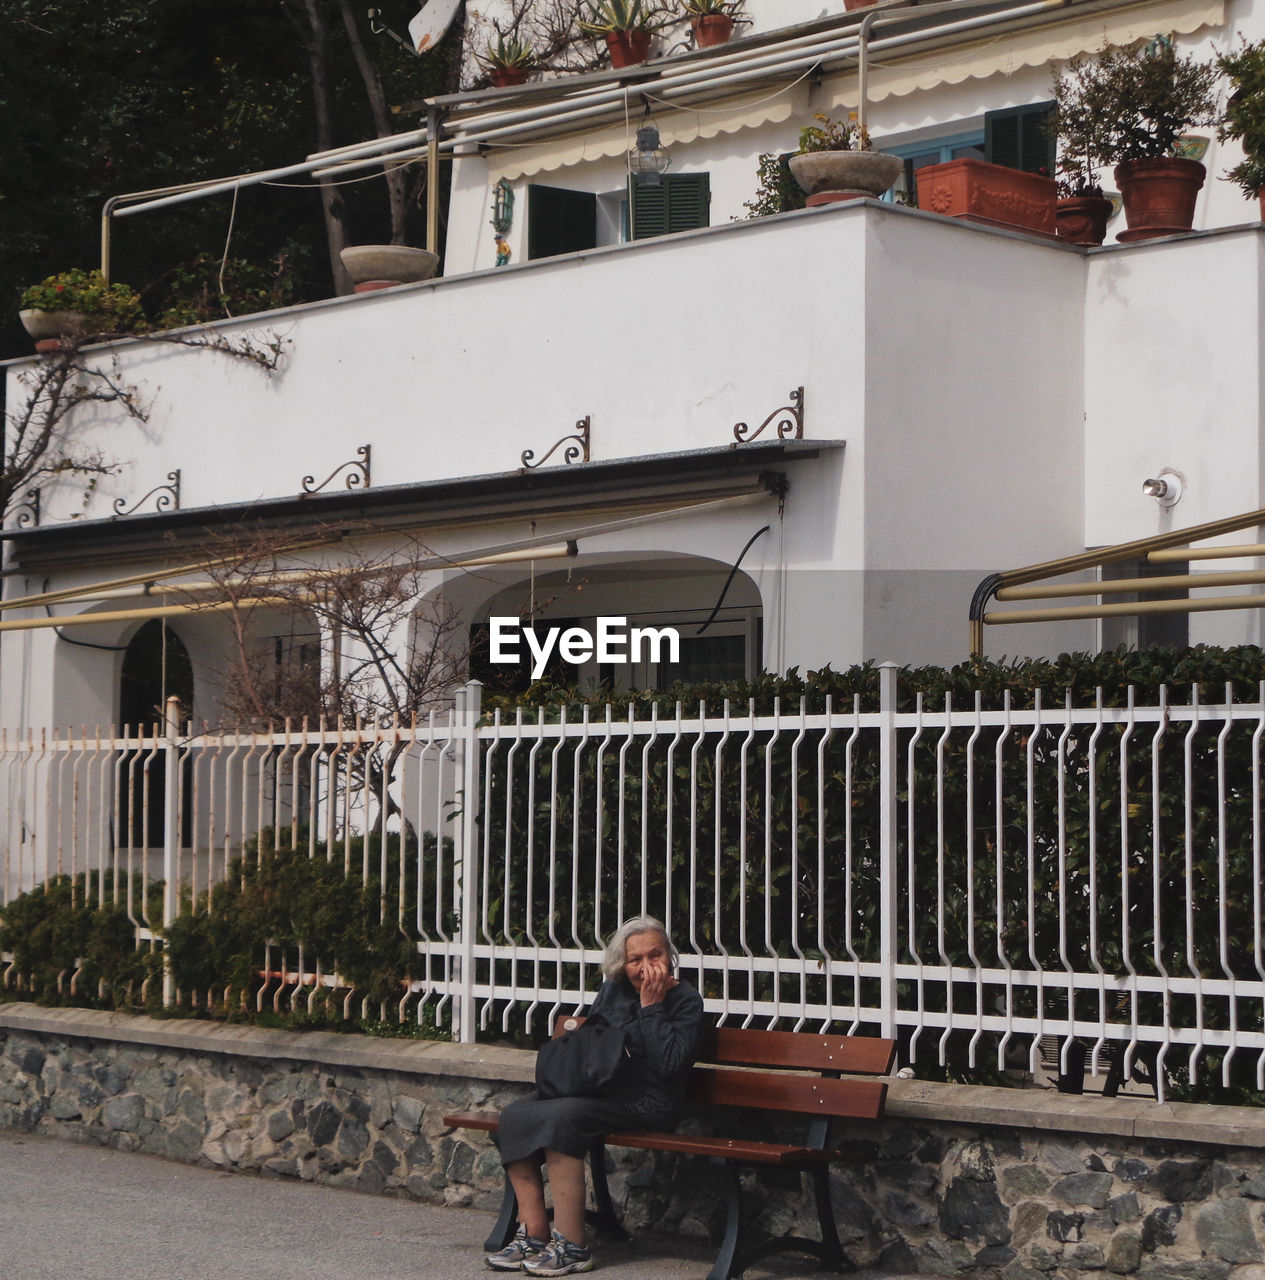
(680, 202)
(1020, 138)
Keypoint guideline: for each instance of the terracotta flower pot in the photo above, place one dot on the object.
(628, 47)
(849, 5)
(711, 29)
(828, 176)
(992, 194)
(1082, 219)
(1159, 196)
(505, 77)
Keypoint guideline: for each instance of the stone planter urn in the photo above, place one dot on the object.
(829, 176)
(382, 266)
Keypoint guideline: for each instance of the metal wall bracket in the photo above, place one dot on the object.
(167, 499)
(579, 449)
(791, 427)
(358, 474)
(26, 514)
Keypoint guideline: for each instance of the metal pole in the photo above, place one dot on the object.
(432, 179)
(171, 832)
(470, 700)
(888, 901)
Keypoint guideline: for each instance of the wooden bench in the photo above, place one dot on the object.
(796, 1073)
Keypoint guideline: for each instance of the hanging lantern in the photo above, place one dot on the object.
(648, 162)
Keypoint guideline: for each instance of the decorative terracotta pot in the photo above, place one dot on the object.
(849, 5)
(711, 29)
(1082, 219)
(828, 176)
(382, 266)
(1260, 195)
(505, 77)
(1159, 196)
(991, 194)
(628, 47)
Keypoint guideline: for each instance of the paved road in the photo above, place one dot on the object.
(71, 1210)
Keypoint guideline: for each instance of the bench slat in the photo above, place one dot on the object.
(809, 1095)
(799, 1050)
(489, 1121)
(726, 1148)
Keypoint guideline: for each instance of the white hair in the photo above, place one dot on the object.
(617, 948)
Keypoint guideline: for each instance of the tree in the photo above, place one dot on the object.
(149, 93)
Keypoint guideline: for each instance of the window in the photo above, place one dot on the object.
(1021, 138)
(560, 221)
(919, 155)
(678, 202)
(1142, 631)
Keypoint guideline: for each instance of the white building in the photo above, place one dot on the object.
(953, 399)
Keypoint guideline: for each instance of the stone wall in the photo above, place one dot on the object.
(965, 1179)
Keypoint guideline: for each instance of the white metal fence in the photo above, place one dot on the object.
(981, 883)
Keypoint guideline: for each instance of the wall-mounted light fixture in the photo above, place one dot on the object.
(1166, 488)
(648, 161)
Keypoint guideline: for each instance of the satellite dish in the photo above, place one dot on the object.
(433, 19)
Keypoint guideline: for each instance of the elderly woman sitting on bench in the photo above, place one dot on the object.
(663, 1019)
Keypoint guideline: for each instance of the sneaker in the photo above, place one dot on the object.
(560, 1258)
(523, 1248)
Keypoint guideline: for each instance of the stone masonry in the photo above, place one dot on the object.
(960, 1183)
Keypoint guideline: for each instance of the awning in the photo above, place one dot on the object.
(902, 62)
(591, 490)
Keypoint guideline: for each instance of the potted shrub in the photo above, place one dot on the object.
(509, 61)
(836, 161)
(1244, 119)
(712, 21)
(77, 303)
(1130, 107)
(627, 26)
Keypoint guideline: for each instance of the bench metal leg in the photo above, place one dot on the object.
(506, 1222)
(731, 1261)
(723, 1267)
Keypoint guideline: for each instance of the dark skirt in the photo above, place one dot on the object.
(533, 1125)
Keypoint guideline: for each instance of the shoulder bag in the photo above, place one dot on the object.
(581, 1062)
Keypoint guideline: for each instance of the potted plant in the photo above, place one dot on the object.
(836, 161)
(1081, 212)
(382, 266)
(712, 21)
(627, 26)
(1244, 119)
(77, 303)
(509, 61)
(1130, 108)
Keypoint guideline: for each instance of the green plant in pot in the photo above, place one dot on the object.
(1244, 119)
(627, 26)
(1129, 108)
(836, 161)
(508, 61)
(76, 303)
(712, 21)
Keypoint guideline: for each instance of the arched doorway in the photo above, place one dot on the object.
(156, 666)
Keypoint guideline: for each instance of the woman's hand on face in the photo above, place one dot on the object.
(655, 981)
